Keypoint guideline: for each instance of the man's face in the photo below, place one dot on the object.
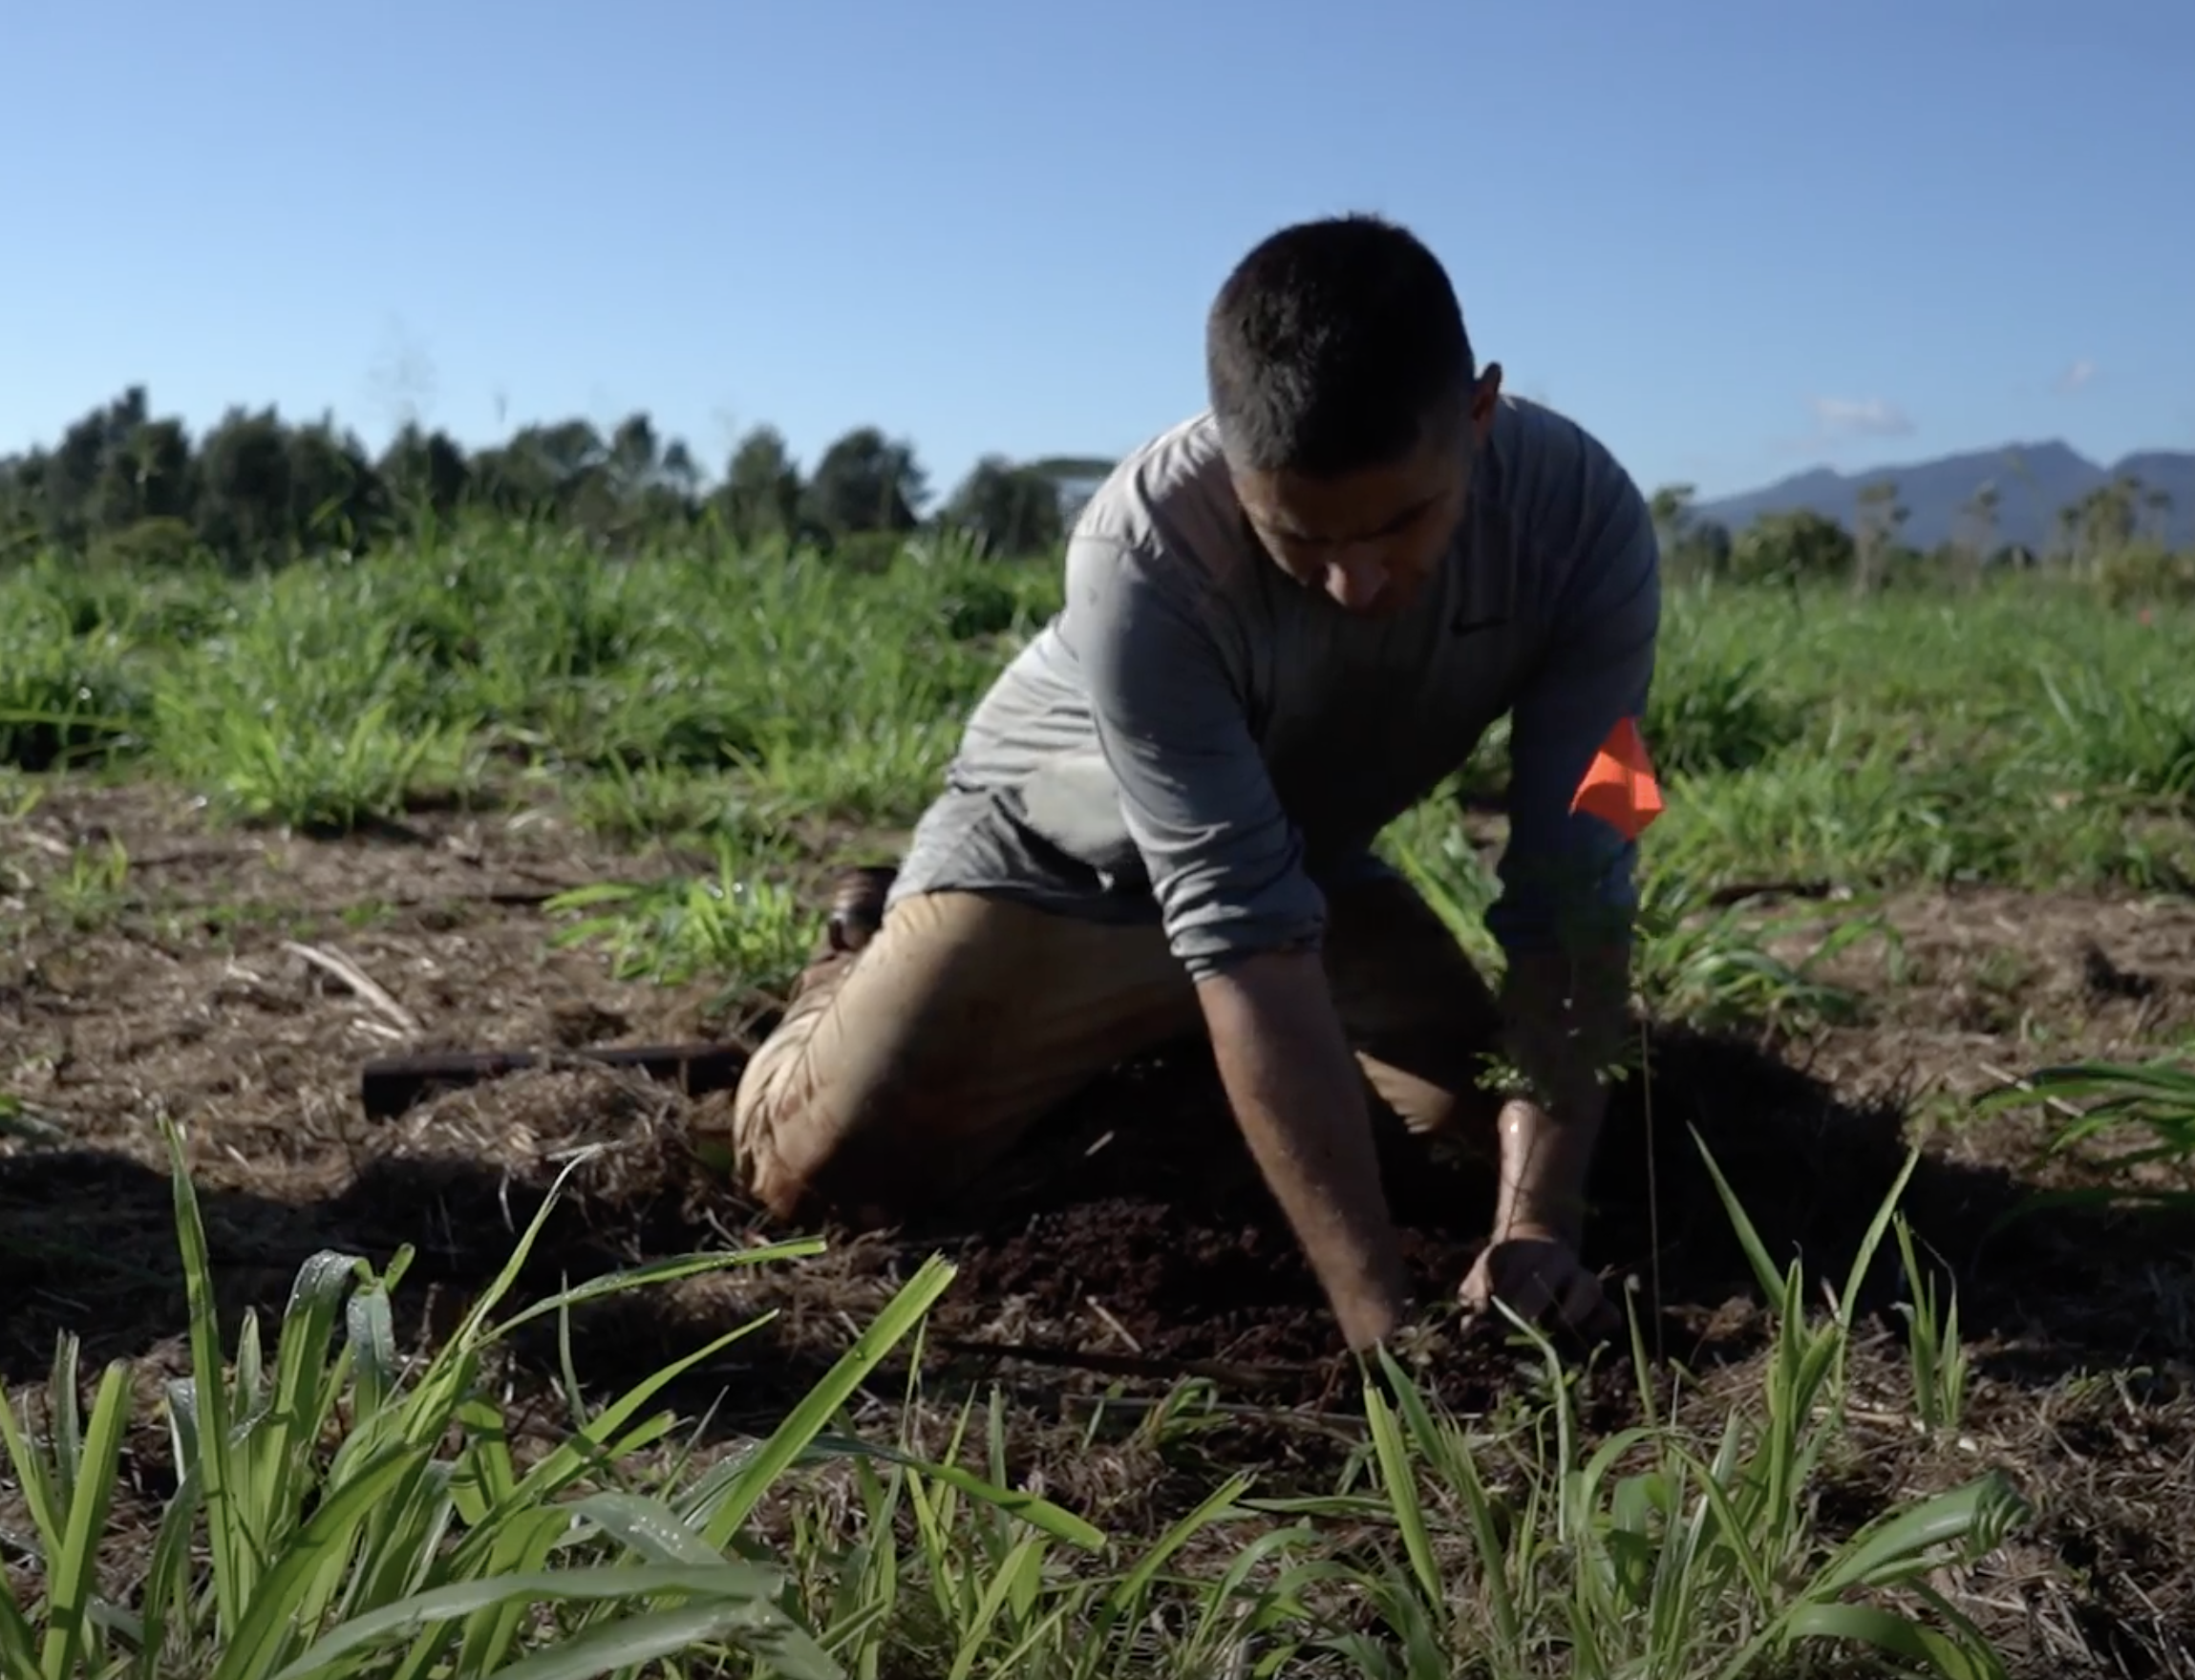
(1370, 538)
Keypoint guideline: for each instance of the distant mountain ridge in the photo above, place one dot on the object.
(2032, 481)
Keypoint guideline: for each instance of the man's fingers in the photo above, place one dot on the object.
(1537, 1287)
(1528, 1296)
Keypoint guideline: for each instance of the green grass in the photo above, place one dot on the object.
(323, 696)
(2030, 734)
(344, 1511)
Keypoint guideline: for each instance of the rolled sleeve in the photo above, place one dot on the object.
(1569, 881)
(1226, 865)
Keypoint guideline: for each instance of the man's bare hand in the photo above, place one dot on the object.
(1538, 1276)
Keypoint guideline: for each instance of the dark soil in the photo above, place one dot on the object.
(1132, 1244)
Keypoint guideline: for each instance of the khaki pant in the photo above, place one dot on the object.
(902, 1071)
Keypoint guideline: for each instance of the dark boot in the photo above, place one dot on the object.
(856, 912)
(858, 905)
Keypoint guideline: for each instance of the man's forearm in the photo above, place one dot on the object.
(1298, 1096)
(1566, 1017)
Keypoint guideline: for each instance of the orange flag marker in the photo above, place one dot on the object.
(1619, 785)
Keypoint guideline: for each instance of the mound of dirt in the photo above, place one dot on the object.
(1168, 1235)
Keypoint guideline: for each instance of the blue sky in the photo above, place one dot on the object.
(1734, 238)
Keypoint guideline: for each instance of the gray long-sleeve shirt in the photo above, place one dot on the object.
(1199, 740)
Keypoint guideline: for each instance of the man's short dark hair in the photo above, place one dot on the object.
(1333, 347)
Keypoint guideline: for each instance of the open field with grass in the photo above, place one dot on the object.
(1922, 886)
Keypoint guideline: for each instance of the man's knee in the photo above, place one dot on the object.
(830, 1117)
(797, 1159)
(770, 1104)
(906, 1074)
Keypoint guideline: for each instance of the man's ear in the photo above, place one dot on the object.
(1485, 394)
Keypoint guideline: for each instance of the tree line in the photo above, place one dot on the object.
(256, 489)
(2100, 538)
(126, 485)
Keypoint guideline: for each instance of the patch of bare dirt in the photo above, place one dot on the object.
(1981, 983)
(1137, 1244)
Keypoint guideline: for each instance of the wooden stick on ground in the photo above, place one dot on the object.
(360, 982)
(2056, 1104)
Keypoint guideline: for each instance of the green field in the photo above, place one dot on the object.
(1924, 880)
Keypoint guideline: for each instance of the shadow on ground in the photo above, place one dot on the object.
(88, 1244)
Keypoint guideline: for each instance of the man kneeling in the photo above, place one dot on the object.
(1285, 622)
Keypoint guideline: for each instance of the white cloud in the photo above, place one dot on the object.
(1839, 417)
(2076, 375)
